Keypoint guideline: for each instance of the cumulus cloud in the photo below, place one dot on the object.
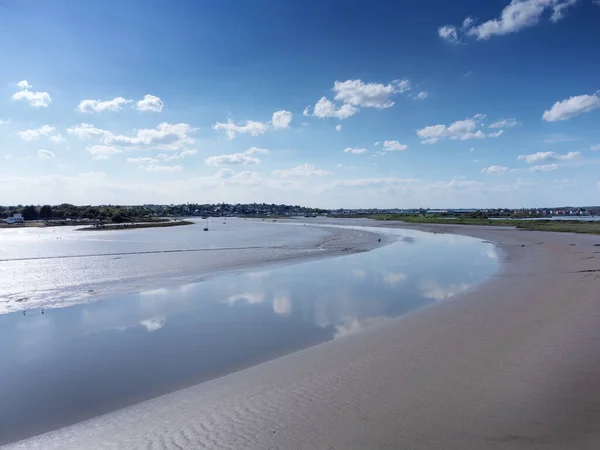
(246, 158)
(520, 14)
(45, 154)
(102, 151)
(338, 128)
(394, 146)
(303, 170)
(422, 95)
(326, 108)
(57, 138)
(281, 119)
(548, 156)
(369, 95)
(36, 99)
(232, 129)
(355, 151)
(91, 106)
(448, 33)
(461, 129)
(495, 170)
(572, 107)
(165, 136)
(35, 134)
(150, 103)
(505, 123)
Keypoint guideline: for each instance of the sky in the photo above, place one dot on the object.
(333, 104)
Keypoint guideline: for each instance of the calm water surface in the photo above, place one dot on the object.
(70, 364)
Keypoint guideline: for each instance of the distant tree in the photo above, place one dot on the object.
(118, 218)
(46, 212)
(30, 212)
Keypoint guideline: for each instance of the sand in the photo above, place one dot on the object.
(513, 363)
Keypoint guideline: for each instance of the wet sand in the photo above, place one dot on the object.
(513, 363)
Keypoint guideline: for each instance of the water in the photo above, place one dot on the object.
(74, 363)
(43, 266)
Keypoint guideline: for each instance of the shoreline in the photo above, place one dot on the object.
(510, 364)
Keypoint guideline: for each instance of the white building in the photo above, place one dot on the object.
(16, 218)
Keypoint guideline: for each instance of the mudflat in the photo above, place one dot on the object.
(513, 363)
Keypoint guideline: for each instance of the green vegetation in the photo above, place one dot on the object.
(565, 226)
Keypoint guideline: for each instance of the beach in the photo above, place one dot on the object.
(511, 363)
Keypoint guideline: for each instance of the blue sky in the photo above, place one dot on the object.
(320, 103)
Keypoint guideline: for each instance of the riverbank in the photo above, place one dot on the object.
(510, 364)
(133, 226)
(561, 226)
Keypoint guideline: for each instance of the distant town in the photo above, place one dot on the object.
(65, 212)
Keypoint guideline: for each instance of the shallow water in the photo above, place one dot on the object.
(73, 363)
(42, 267)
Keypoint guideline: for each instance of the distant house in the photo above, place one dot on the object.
(16, 218)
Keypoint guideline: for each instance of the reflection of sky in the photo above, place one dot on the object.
(91, 358)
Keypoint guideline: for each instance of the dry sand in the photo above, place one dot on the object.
(513, 364)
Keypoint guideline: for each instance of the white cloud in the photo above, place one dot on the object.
(142, 160)
(544, 168)
(496, 134)
(57, 138)
(422, 95)
(548, 156)
(85, 131)
(91, 106)
(232, 130)
(394, 146)
(150, 103)
(45, 154)
(461, 129)
(596, 147)
(281, 119)
(572, 107)
(159, 168)
(5, 122)
(326, 108)
(368, 95)
(355, 151)
(177, 156)
(495, 170)
(304, 170)
(102, 151)
(24, 85)
(244, 158)
(36, 99)
(505, 123)
(34, 135)
(338, 128)
(520, 14)
(306, 111)
(165, 136)
(449, 33)
(224, 173)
